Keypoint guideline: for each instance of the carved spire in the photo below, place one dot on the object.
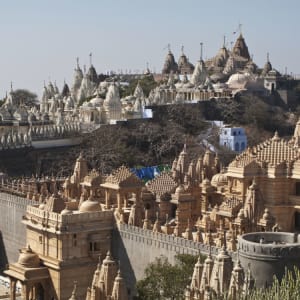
(119, 291)
(197, 274)
(74, 293)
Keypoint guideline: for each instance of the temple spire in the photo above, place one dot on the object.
(90, 55)
(201, 50)
(268, 56)
(77, 62)
(240, 28)
(182, 49)
(224, 41)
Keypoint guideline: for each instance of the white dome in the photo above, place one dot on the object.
(97, 101)
(238, 80)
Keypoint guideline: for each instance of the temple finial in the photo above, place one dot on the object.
(225, 242)
(240, 28)
(201, 50)
(91, 54)
(182, 49)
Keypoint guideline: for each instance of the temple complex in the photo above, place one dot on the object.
(91, 101)
(71, 222)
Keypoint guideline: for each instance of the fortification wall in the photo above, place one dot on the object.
(12, 209)
(136, 247)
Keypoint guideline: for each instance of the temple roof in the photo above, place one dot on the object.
(273, 151)
(122, 177)
(170, 64)
(162, 184)
(240, 48)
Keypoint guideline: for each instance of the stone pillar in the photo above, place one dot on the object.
(25, 291)
(107, 199)
(13, 284)
(119, 201)
(125, 199)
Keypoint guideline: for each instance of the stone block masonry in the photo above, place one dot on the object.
(13, 208)
(136, 247)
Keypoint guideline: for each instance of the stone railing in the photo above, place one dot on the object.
(62, 222)
(270, 244)
(15, 200)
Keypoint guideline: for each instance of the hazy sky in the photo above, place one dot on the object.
(40, 39)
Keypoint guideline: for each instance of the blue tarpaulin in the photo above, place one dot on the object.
(148, 173)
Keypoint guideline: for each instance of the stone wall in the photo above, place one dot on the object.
(268, 254)
(136, 247)
(12, 209)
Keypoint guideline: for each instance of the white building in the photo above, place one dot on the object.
(233, 138)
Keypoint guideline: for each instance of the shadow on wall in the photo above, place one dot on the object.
(119, 252)
(3, 256)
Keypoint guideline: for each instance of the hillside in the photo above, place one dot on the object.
(157, 141)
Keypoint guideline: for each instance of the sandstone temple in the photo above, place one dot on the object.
(72, 223)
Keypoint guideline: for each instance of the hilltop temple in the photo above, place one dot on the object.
(93, 100)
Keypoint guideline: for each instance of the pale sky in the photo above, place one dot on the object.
(40, 39)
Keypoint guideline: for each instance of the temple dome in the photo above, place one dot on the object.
(179, 189)
(28, 258)
(242, 81)
(219, 179)
(97, 101)
(90, 205)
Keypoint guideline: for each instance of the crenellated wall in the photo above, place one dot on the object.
(136, 247)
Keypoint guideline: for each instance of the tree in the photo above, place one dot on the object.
(164, 280)
(22, 96)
